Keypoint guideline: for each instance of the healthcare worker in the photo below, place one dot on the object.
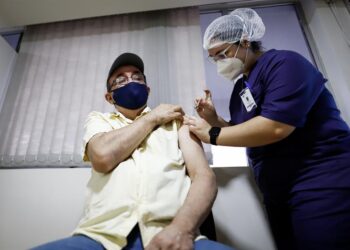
(298, 146)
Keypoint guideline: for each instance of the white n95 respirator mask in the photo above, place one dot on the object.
(229, 67)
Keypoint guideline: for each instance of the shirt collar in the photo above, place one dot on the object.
(117, 114)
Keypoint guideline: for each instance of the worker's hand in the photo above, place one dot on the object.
(171, 238)
(165, 113)
(205, 108)
(199, 127)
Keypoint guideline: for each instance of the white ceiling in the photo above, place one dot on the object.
(18, 13)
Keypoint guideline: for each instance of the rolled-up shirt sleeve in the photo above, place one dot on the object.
(94, 124)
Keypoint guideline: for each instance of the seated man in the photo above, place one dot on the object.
(151, 185)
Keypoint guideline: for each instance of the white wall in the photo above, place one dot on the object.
(40, 205)
(239, 216)
(331, 47)
(7, 61)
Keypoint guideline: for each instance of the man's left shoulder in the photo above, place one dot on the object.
(174, 125)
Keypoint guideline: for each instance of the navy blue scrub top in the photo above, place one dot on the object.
(289, 89)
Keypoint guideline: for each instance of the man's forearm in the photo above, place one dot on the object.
(107, 150)
(203, 188)
(198, 203)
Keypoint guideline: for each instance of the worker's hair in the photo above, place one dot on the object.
(255, 46)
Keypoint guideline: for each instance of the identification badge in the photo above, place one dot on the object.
(247, 99)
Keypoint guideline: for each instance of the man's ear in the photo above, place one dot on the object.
(109, 98)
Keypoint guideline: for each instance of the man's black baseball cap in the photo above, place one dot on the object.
(124, 60)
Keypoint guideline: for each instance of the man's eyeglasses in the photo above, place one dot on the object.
(123, 79)
(219, 56)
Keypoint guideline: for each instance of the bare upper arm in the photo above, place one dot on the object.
(193, 152)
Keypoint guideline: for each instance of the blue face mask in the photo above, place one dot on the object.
(133, 95)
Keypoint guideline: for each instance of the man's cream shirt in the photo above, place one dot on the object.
(147, 188)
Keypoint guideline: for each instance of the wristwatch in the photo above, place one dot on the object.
(214, 133)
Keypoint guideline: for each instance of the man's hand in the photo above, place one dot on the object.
(171, 238)
(165, 113)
